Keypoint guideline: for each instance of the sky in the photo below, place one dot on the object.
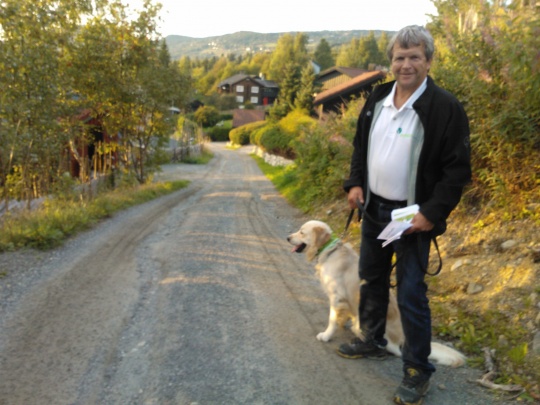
(206, 18)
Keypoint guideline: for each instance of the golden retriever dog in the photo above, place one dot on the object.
(337, 270)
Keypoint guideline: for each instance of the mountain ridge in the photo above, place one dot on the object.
(242, 42)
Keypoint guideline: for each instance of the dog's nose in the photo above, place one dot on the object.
(288, 238)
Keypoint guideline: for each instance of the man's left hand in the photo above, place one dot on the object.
(420, 224)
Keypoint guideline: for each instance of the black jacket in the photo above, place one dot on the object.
(444, 166)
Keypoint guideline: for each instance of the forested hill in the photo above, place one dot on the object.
(244, 41)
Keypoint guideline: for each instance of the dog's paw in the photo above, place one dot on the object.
(323, 337)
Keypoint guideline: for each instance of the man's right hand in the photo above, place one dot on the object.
(355, 193)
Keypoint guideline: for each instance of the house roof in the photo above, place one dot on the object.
(347, 71)
(350, 87)
(243, 117)
(241, 76)
(233, 79)
(265, 83)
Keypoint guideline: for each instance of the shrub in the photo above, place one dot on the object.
(275, 141)
(218, 134)
(297, 122)
(241, 135)
(207, 116)
(323, 160)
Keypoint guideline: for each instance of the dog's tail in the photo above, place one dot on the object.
(446, 355)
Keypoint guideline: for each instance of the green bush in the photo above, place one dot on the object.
(279, 138)
(323, 161)
(207, 116)
(218, 134)
(241, 135)
(275, 141)
(297, 122)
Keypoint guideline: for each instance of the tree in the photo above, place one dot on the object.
(34, 91)
(323, 55)
(369, 51)
(207, 116)
(382, 45)
(360, 52)
(289, 50)
(499, 84)
(290, 85)
(306, 90)
(349, 54)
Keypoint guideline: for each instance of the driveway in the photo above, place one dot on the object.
(193, 298)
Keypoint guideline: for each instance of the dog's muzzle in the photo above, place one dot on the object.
(298, 248)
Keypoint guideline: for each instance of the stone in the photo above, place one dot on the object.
(474, 288)
(509, 244)
(458, 263)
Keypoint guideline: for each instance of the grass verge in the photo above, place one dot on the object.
(56, 220)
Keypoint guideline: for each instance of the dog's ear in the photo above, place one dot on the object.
(320, 237)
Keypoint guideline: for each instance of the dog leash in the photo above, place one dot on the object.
(363, 213)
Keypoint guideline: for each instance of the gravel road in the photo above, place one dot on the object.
(193, 298)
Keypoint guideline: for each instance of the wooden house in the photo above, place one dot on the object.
(250, 89)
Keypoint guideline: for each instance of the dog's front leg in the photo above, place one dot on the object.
(355, 326)
(332, 326)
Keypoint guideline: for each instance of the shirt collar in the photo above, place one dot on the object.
(389, 100)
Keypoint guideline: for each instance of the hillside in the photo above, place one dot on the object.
(241, 42)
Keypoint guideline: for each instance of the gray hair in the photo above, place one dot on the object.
(413, 35)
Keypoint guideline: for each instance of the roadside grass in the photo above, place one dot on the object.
(470, 331)
(203, 158)
(57, 219)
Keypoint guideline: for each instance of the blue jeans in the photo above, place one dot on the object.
(412, 252)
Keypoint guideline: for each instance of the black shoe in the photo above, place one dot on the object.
(358, 349)
(413, 388)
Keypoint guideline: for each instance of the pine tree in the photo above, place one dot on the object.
(304, 96)
(323, 55)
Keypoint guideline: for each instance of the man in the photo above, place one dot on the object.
(411, 147)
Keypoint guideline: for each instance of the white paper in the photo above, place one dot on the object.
(401, 221)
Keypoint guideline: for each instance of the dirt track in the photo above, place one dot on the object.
(193, 298)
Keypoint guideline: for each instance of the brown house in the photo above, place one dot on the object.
(250, 89)
(334, 98)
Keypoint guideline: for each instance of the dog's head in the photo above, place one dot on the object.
(311, 236)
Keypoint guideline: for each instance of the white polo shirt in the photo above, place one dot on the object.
(390, 147)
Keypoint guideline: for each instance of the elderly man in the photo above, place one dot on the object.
(411, 147)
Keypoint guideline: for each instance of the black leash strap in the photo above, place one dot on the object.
(349, 220)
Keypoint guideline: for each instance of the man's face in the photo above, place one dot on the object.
(409, 66)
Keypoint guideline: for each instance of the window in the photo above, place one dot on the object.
(255, 90)
(254, 100)
(240, 89)
(240, 99)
